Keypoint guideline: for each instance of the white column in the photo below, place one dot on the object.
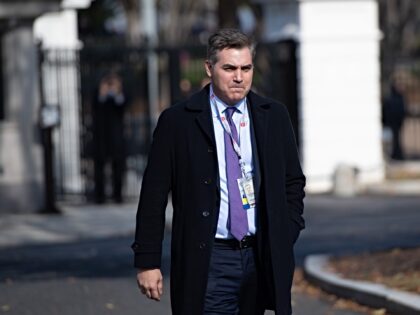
(339, 90)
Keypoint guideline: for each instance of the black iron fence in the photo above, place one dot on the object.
(71, 81)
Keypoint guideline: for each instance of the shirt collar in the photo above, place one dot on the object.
(221, 106)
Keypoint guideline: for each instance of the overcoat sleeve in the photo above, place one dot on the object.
(156, 184)
(295, 180)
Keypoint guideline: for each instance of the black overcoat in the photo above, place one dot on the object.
(183, 159)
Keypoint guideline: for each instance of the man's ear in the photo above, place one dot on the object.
(208, 66)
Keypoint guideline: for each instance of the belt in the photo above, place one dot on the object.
(246, 242)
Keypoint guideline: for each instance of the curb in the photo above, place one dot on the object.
(367, 293)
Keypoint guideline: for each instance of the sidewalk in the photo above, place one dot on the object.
(402, 179)
(75, 223)
(395, 187)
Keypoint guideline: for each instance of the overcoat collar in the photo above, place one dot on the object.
(259, 106)
(260, 110)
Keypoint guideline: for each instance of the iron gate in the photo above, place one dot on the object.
(71, 79)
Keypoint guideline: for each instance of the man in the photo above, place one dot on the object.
(394, 112)
(230, 159)
(108, 109)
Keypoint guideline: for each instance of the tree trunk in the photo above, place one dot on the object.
(132, 13)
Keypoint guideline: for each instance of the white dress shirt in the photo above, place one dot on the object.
(241, 119)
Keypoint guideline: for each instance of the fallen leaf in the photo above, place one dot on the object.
(110, 306)
(380, 311)
(5, 308)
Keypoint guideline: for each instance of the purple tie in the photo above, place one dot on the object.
(237, 215)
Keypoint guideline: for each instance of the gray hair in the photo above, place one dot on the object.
(228, 38)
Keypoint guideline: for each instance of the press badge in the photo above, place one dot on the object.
(246, 188)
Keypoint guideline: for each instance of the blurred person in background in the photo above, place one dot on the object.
(394, 111)
(108, 135)
(230, 159)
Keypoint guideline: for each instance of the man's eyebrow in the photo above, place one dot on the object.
(228, 65)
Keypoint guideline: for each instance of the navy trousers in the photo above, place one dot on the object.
(232, 287)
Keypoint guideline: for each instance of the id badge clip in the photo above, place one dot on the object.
(246, 188)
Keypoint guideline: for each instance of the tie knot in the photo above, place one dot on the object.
(229, 112)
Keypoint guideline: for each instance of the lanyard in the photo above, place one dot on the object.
(226, 127)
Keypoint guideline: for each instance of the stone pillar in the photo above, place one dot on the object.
(21, 183)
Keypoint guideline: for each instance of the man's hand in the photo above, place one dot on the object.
(150, 282)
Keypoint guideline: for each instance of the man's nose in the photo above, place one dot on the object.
(238, 76)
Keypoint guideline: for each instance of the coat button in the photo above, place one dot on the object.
(208, 181)
(202, 245)
(210, 150)
(205, 213)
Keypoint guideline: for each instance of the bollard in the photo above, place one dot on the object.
(345, 181)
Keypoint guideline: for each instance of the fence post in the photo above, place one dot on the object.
(174, 70)
(48, 119)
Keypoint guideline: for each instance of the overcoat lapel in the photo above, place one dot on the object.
(206, 125)
(259, 111)
(200, 103)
